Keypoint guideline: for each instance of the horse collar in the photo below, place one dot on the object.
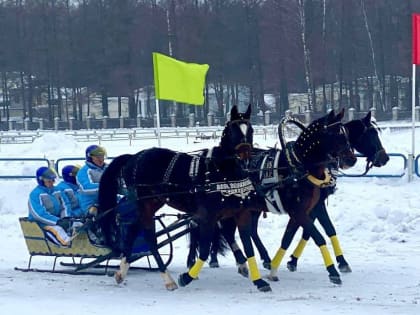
(321, 183)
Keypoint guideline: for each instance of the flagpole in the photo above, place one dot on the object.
(413, 125)
(157, 120)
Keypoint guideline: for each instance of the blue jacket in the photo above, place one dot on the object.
(88, 178)
(71, 191)
(47, 205)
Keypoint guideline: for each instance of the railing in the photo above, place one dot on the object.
(137, 134)
(28, 166)
(397, 161)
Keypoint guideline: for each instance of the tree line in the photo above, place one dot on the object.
(278, 47)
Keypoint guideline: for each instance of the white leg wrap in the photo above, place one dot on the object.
(169, 282)
(122, 273)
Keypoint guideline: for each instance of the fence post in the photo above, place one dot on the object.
(191, 121)
(138, 120)
(210, 119)
(11, 124)
(104, 122)
(71, 122)
(308, 116)
(88, 122)
(173, 119)
(410, 166)
(26, 123)
(351, 113)
(267, 117)
(121, 122)
(155, 121)
(41, 123)
(56, 120)
(395, 113)
(417, 113)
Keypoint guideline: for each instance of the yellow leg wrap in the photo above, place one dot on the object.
(253, 269)
(326, 255)
(275, 262)
(195, 270)
(299, 248)
(336, 245)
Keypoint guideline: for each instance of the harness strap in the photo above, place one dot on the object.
(170, 168)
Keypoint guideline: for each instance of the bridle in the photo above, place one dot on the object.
(244, 145)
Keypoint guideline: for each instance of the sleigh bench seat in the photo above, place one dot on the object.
(39, 244)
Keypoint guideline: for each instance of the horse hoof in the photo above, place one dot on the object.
(118, 277)
(292, 267)
(273, 278)
(266, 288)
(214, 264)
(267, 265)
(262, 285)
(171, 286)
(243, 271)
(184, 279)
(344, 268)
(335, 279)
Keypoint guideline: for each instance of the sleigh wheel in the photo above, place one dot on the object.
(143, 258)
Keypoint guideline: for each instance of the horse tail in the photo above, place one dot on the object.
(109, 187)
(219, 244)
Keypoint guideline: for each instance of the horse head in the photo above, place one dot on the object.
(324, 138)
(237, 137)
(364, 137)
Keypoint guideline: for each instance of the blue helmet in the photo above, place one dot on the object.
(45, 173)
(69, 173)
(94, 150)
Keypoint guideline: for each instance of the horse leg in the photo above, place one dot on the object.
(320, 242)
(194, 237)
(150, 237)
(328, 226)
(128, 234)
(206, 231)
(292, 263)
(287, 238)
(228, 228)
(257, 241)
(245, 234)
(214, 248)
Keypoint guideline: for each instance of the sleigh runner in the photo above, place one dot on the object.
(85, 257)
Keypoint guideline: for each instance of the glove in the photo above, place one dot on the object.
(93, 210)
(65, 223)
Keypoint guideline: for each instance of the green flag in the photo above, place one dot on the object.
(179, 81)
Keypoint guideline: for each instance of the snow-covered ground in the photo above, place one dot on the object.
(377, 220)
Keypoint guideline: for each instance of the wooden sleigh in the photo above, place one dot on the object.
(99, 258)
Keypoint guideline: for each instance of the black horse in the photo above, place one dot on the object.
(291, 180)
(209, 186)
(363, 136)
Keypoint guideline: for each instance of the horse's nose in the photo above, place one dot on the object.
(381, 159)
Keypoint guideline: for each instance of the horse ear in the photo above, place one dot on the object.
(340, 115)
(368, 117)
(234, 115)
(330, 117)
(247, 114)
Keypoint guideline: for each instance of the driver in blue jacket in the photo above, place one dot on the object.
(88, 178)
(49, 207)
